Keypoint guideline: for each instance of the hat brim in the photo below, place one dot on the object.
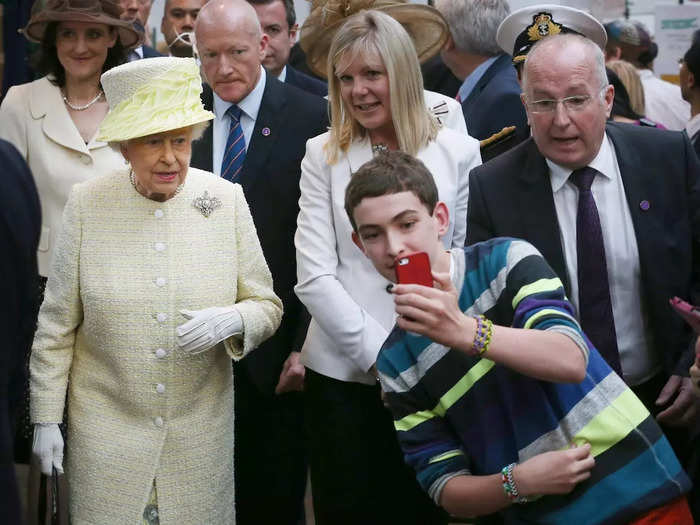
(128, 35)
(425, 25)
(123, 133)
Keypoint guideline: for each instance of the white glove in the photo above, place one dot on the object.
(48, 447)
(208, 327)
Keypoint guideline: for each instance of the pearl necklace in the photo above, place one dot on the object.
(82, 108)
(132, 178)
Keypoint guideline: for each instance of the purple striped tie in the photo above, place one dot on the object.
(595, 306)
(234, 154)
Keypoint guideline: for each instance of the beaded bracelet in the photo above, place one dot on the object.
(484, 332)
(509, 488)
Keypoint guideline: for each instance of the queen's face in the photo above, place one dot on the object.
(159, 162)
(82, 48)
(364, 88)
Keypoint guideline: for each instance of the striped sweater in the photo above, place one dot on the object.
(455, 414)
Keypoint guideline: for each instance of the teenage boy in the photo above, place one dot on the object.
(491, 381)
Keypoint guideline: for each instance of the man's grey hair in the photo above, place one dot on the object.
(473, 24)
(561, 42)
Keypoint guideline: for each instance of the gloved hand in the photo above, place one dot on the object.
(208, 327)
(48, 447)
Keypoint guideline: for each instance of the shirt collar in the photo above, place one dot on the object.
(693, 126)
(250, 104)
(604, 163)
(283, 74)
(473, 78)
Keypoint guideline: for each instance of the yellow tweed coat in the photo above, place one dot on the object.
(140, 409)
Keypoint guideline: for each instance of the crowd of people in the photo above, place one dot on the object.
(201, 251)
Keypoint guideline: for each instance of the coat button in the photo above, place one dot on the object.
(162, 317)
(158, 421)
(159, 246)
(85, 159)
(158, 213)
(160, 281)
(160, 388)
(160, 353)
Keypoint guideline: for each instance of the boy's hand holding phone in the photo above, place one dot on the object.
(433, 311)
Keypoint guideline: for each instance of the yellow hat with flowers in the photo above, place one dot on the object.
(151, 96)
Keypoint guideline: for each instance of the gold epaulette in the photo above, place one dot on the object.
(497, 137)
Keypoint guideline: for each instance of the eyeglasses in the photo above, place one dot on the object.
(572, 104)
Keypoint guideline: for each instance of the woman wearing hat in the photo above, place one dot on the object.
(53, 120)
(158, 281)
(377, 104)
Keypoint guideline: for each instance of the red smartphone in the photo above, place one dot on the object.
(687, 311)
(414, 269)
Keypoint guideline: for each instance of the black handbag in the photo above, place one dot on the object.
(47, 498)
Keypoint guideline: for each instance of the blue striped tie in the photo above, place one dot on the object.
(234, 154)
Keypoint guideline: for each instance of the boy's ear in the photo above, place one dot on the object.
(442, 215)
(358, 242)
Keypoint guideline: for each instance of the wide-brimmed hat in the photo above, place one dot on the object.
(523, 28)
(98, 11)
(151, 96)
(423, 23)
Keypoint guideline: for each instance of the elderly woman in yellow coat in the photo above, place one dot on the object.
(158, 281)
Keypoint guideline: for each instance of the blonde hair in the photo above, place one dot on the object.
(371, 33)
(629, 76)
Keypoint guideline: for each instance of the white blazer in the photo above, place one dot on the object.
(351, 311)
(35, 120)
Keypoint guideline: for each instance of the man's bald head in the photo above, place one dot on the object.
(237, 14)
(231, 46)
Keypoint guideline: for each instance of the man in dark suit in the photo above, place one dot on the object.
(20, 225)
(490, 93)
(137, 12)
(615, 209)
(278, 21)
(275, 121)
(690, 89)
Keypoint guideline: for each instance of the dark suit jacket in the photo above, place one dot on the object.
(306, 82)
(270, 181)
(494, 103)
(20, 225)
(512, 196)
(438, 77)
(149, 52)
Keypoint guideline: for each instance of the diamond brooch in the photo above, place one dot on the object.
(206, 204)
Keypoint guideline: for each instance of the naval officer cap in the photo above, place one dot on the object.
(523, 28)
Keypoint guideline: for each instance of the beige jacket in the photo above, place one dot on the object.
(34, 119)
(140, 409)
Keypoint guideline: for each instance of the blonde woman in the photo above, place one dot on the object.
(157, 283)
(629, 76)
(377, 104)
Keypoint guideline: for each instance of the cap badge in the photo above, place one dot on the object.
(542, 26)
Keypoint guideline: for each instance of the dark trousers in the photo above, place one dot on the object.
(270, 462)
(357, 471)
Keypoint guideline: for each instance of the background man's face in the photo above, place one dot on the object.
(136, 10)
(231, 55)
(273, 19)
(568, 138)
(178, 18)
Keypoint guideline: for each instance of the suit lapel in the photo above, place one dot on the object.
(539, 215)
(638, 189)
(45, 101)
(267, 129)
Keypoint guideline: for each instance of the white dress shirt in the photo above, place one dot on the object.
(693, 127)
(638, 361)
(250, 105)
(663, 101)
